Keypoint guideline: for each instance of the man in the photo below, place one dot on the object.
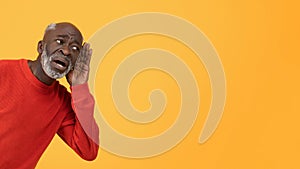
(34, 106)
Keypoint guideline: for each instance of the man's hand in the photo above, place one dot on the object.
(80, 72)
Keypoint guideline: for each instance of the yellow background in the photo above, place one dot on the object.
(258, 44)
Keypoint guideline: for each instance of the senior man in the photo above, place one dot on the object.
(34, 106)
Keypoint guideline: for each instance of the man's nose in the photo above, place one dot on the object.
(65, 50)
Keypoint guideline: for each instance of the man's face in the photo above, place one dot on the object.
(61, 48)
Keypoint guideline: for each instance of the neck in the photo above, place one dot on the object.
(37, 70)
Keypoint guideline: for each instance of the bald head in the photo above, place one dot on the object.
(63, 28)
(50, 27)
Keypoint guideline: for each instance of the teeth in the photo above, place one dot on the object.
(60, 65)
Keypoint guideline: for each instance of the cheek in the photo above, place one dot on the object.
(52, 48)
(74, 60)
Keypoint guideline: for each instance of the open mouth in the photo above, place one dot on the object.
(60, 63)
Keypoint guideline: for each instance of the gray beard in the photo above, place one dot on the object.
(46, 60)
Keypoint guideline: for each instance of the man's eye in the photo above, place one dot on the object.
(75, 48)
(59, 41)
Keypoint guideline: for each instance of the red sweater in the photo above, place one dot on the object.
(31, 113)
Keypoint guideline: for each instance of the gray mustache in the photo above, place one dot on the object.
(60, 55)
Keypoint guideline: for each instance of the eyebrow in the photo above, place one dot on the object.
(68, 36)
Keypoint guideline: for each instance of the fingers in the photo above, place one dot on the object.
(85, 54)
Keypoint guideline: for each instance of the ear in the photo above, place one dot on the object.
(40, 47)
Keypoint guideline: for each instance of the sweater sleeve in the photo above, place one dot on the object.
(79, 129)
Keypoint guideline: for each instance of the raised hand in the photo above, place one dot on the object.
(80, 72)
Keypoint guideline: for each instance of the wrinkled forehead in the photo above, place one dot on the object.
(65, 30)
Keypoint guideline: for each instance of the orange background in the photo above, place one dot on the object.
(258, 44)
